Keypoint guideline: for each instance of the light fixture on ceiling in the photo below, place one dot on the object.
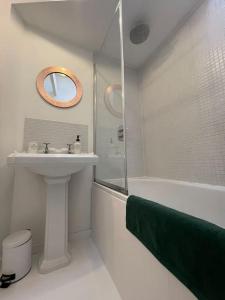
(139, 33)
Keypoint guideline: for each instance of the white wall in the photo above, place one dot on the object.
(40, 51)
(24, 53)
(10, 64)
(183, 101)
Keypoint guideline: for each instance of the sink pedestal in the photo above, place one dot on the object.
(56, 170)
(56, 252)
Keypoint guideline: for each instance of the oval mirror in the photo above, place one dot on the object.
(113, 100)
(59, 87)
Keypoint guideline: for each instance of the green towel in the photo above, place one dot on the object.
(191, 248)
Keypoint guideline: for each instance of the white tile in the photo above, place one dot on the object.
(86, 278)
(58, 134)
(183, 101)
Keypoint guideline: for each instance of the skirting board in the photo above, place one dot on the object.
(73, 236)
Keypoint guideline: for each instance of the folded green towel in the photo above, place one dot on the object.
(191, 248)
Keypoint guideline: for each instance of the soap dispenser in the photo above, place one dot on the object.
(77, 145)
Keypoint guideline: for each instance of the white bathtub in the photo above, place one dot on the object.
(200, 200)
(135, 271)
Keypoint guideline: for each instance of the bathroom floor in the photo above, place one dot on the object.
(86, 278)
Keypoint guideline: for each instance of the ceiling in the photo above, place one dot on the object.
(80, 22)
(86, 22)
(163, 16)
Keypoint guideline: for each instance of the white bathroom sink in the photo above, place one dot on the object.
(56, 170)
(53, 165)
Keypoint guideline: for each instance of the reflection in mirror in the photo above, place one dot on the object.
(113, 100)
(60, 87)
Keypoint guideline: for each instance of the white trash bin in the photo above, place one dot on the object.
(16, 257)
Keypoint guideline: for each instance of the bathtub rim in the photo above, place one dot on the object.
(116, 194)
(178, 182)
(124, 197)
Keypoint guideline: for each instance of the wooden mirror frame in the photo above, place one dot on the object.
(109, 90)
(41, 90)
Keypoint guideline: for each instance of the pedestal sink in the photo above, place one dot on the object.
(56, 170)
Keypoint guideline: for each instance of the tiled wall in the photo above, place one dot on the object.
(135, 161)
(59, 134)
(183, 94)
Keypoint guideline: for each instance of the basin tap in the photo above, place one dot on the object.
(46, 150)
(70, 148)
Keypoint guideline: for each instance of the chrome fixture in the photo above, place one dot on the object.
(120, 133)
(69, 148)
(46, 150)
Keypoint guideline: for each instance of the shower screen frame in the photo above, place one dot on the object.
(123, 190)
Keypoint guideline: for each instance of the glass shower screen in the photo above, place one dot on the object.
(109, 109)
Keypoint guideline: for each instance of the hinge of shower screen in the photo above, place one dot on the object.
(120, 133)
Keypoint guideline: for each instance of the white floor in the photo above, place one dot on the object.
(86, 278)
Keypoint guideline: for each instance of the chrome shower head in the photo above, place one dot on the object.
(139, 33)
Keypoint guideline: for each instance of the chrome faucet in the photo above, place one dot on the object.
(46, 150)
(69, 148)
